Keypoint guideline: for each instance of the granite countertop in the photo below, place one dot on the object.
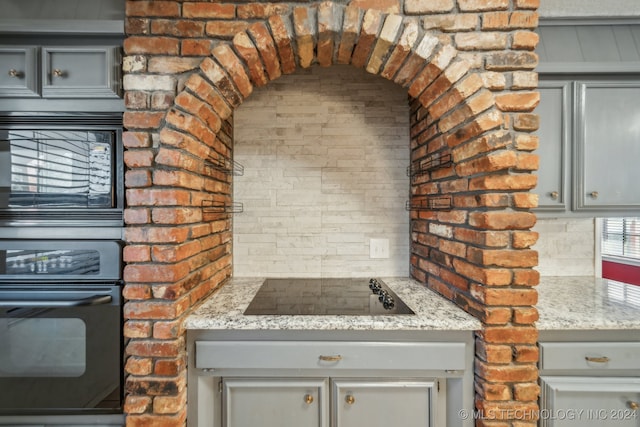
(587, 303)
(224, 310)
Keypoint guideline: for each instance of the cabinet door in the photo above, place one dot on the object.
(589, 401)
(80, 72)
(18, 71)
(274, 402)
(607, 147)
(361, 403)
(555, 133)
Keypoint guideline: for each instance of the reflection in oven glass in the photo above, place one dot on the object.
(42, 347)
(62, 262)
(60, 168)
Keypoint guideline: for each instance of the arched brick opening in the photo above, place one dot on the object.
(475, 252)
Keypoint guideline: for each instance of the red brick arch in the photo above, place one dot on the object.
(477, 254)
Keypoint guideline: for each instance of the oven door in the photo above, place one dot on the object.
(61, 349)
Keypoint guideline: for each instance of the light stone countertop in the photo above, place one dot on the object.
(587, 303)
(224, 309)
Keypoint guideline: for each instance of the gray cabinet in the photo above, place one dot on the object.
(60, 72)
(407, 403)
(323, 379)
(554, 149)
(589, 147)
(607, 146)
(589, 378)
(274, 402)
(18, 71)
(590, 401)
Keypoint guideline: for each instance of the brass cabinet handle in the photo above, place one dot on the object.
(603, 359)
(14, 73)
(594, 194)
(554, 195)
(633, 405)
(350, 399)
(59, 73)
(335, 358)
(308, 399)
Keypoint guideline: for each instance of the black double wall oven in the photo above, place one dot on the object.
(61, 210)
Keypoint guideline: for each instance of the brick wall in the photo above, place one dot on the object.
(467, 66)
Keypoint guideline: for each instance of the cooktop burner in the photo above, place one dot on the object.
(328, 296)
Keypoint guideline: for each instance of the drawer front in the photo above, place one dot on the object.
(18, 71)
(73, 72)
(590, 355)
(329, 355)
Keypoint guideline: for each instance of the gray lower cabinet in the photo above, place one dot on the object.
(373, 403)
(350, 379)
(589, 378)
(274, 402)
(590, 401)
(60, 72)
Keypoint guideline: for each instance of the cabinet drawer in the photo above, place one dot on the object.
(329, 355)
(80, 72)
(18, 71)
(589, 355)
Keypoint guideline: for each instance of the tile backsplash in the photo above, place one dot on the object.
(566, 247)
(325, 153)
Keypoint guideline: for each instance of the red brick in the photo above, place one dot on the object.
(142, 120)
(282, 40)
(518, 101)
(137, 404)
(526, 122)
(225, 29)
(151, 45)
(169, 404)
(525, 40)
(503, 182)
(156, 234)
(136, 253)
(177, 28)
(481, 5)
(147, 420)
(247, 50)
(169, 367)
(508, 373)
(371, 25)
(510, 297)
(136, 139)
(138, 365)
(524, 239)
(503, 258)
(523, 315)
(387, 6)
(350, 31)
(136, 292)
(137, 179)
(138, 158)
(305, 35)
(155, 272)
(510, 335)
(137, 329)
(167, 330)
(261, 10)
(526, 353)
(196, 47)
(153, 8)
(526, 392)
(267, 49)
(526, 277)
(497, 316)
(493, 391)
(492, 353)
(154, 310)
(208, 10)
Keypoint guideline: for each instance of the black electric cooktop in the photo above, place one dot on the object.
(327, 296)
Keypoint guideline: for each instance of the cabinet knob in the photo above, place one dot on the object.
(331, 358)
(554, 195)
(633, 405)
(350, 399)
(594, 194)
(59, 73)
(14, 73)
(308, 399)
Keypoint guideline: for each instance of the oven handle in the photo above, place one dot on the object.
(93, 300)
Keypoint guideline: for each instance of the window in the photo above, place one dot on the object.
(621, 239)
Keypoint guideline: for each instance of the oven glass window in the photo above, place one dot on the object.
(49, 262)
(56, 168)
(42, 347)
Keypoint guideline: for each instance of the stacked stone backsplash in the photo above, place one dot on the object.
(468, 69)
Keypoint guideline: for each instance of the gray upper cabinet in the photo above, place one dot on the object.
(607, 146)
(18, 71)
(555, 134)
(80, 72)
(64, 72)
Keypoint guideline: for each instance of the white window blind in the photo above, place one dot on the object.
(621, 238)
